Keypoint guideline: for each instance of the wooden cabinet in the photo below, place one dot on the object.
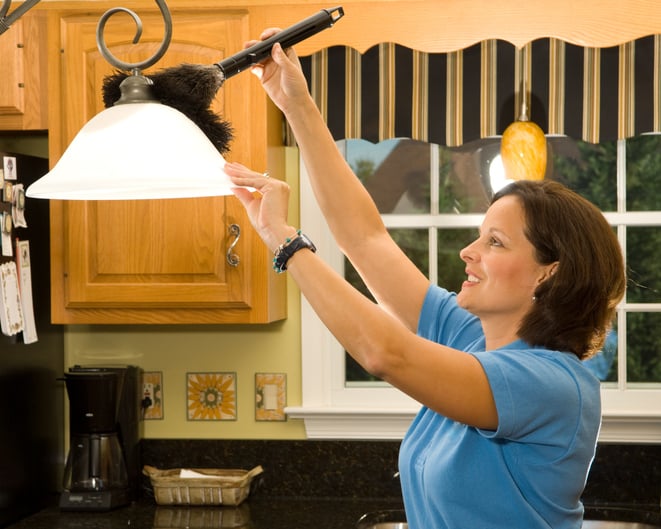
(23, 67)
(158, 261)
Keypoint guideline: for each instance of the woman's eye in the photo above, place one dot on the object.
(494, 242)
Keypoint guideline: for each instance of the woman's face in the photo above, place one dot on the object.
(501, 266)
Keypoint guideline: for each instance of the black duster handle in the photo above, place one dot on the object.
(287, 37)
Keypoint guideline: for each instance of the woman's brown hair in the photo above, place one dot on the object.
(575, 307)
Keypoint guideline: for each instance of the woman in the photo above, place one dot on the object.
(510, 416)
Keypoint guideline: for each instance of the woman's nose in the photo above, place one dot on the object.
(467, 254)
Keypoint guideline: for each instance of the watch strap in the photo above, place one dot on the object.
(284, 252)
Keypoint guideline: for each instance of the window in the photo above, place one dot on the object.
(432, 199)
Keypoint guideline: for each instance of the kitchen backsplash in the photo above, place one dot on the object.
(621, 474)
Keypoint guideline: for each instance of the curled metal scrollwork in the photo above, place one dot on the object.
(232, 258)
(7, 20)
(138, 66)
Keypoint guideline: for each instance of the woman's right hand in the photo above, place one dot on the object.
(281, 75)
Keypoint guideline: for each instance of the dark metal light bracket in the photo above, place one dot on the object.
(136, 67)
(7, 20)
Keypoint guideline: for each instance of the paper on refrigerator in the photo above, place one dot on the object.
(11, 314)
(25, 288)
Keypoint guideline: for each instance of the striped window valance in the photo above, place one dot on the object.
(390, 91)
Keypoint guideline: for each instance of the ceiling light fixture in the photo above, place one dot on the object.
(138, 148)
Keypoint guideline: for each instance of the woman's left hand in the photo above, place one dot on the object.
(267, 207)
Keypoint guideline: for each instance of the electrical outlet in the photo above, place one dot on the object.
(152, 388)
(148, 394)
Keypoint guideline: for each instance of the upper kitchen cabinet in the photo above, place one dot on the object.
(23, 82)
(158, 261)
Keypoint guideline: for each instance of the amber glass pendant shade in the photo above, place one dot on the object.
(523, 151)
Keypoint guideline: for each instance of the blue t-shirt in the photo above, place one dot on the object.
(527, 474)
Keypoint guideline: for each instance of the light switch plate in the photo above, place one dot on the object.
(270, 396)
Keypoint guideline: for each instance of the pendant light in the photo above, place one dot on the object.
(138, 148)
(523, 145)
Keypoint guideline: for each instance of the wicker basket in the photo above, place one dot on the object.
(217, 487)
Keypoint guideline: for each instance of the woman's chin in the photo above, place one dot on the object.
(461, 299)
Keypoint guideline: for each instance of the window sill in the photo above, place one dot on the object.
(326, 423)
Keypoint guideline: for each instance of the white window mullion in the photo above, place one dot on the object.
(621, 177)
(434, 175)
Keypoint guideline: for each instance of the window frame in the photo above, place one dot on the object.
(331, 410)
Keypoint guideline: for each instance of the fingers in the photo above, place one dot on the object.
(242, 176)
(268, 32)
(282, 57)
(244, 195)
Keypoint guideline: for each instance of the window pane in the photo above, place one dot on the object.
(469, 174)
(415, 243)
(643, 166)
(464, 176)
(396, 173)
(451, 269)
(588, 169)
(643, 258)
(643, 347)
(604, 364)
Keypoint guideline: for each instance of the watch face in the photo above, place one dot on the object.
(308, 242)
(7, 223)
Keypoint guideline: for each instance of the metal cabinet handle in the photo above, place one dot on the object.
(232, 258)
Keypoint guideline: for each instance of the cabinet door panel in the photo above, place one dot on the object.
(152, 254)
(23, 77)
(12, 67)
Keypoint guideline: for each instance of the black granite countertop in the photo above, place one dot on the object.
(265, 513)
(255, 513)
(331, 484)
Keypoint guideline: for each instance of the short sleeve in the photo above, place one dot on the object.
(540, 395)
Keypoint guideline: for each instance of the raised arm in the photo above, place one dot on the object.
(347, 207)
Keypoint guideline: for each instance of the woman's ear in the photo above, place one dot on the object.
(549, 271)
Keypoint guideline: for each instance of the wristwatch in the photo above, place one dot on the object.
(284, 252)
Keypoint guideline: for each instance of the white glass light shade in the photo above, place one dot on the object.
(136, 151)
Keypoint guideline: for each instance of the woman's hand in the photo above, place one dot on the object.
(281, 75)
(267, 207)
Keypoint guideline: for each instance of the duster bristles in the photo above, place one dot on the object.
(188, 88)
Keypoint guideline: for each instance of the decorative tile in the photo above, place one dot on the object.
(152, 388)
(211, 396)
(270, 396)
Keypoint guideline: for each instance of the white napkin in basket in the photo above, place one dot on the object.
(186, 473)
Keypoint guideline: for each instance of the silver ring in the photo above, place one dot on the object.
(266, 174)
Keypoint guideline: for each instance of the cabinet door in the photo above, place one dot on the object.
(23, 86)
(157, 261)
